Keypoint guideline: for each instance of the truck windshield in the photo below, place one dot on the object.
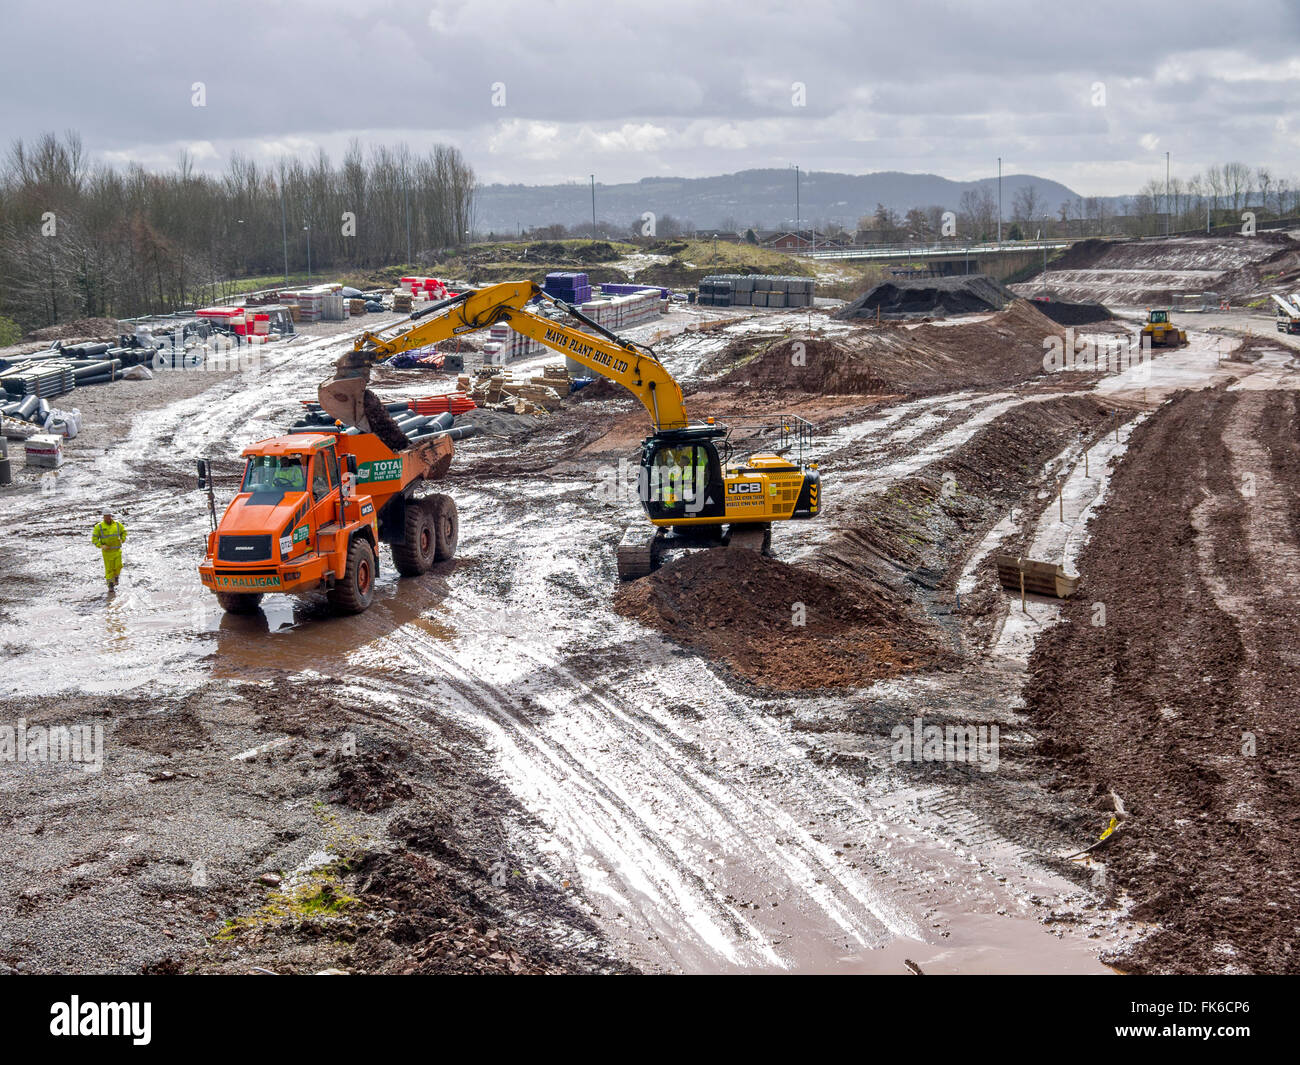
(275, 473)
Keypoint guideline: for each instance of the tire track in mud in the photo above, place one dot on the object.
(688, 824)
(1198, 569)
(642, 797)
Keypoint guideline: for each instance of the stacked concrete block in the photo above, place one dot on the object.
(621, 312)
(756, 290)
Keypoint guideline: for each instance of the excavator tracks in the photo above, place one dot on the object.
(636, 554)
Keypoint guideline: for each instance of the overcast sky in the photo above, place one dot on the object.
(665, 88)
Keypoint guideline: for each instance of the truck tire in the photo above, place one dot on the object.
(355, 590)
(239, 602)
(446, 526)
(420, 550)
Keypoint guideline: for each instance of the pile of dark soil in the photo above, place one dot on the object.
(382, 423)
(921, 297)
(1065, 312)
(896, 358)
(1083, 254)
(601, 388)
(778, 626)
(814, 364)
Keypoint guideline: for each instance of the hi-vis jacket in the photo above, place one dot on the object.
(109, 537)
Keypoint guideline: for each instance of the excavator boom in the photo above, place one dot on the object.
(691, 492)
(627, 364)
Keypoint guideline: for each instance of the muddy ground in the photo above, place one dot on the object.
(511, 764)
(1151, 270)
(1182, 702)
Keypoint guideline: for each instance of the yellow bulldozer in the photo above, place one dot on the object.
(1162, 332)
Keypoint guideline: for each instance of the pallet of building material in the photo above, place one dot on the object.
(1035, 578)
(539, 394)
(13, 429)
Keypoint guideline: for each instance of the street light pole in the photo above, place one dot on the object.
(308, 230)
(999, 199)
(593, 206)
(284, 228)
(798, 217)
(406, 194)
(1166, 194)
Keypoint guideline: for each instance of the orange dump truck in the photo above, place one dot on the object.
(313, 508)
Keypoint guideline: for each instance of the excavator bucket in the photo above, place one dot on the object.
(344, 399)
(1035, 578)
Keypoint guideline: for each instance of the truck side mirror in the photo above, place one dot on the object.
(203, 473)
(352, 464)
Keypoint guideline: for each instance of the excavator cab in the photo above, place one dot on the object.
(681, 477)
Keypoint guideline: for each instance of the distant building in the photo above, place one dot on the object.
(786, 241)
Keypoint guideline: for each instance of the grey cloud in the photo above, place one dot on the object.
(930, 85)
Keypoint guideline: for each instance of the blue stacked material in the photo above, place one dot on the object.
(632, 289)
(567, 286)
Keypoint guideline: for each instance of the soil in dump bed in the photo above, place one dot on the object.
(382, 423)
(1198, 652)
(740, 608)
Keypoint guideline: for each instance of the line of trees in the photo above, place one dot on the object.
(1221, 194)
(80, 240)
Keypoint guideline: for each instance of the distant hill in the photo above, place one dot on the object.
(759, 198)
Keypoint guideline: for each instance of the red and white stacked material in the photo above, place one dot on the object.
(429, 288)
(221, 315)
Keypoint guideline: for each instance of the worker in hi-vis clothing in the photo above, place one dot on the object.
(109, 536)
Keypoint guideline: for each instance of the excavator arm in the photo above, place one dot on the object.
(634, 367)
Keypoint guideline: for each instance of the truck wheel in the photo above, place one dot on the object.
(355, 591)
(446, 526)
(239, 602)
(420, 550)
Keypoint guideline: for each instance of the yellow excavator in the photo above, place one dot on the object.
(695, 492)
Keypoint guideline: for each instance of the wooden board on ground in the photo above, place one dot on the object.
(1040, 578)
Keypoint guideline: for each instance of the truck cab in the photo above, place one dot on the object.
(293, 525)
